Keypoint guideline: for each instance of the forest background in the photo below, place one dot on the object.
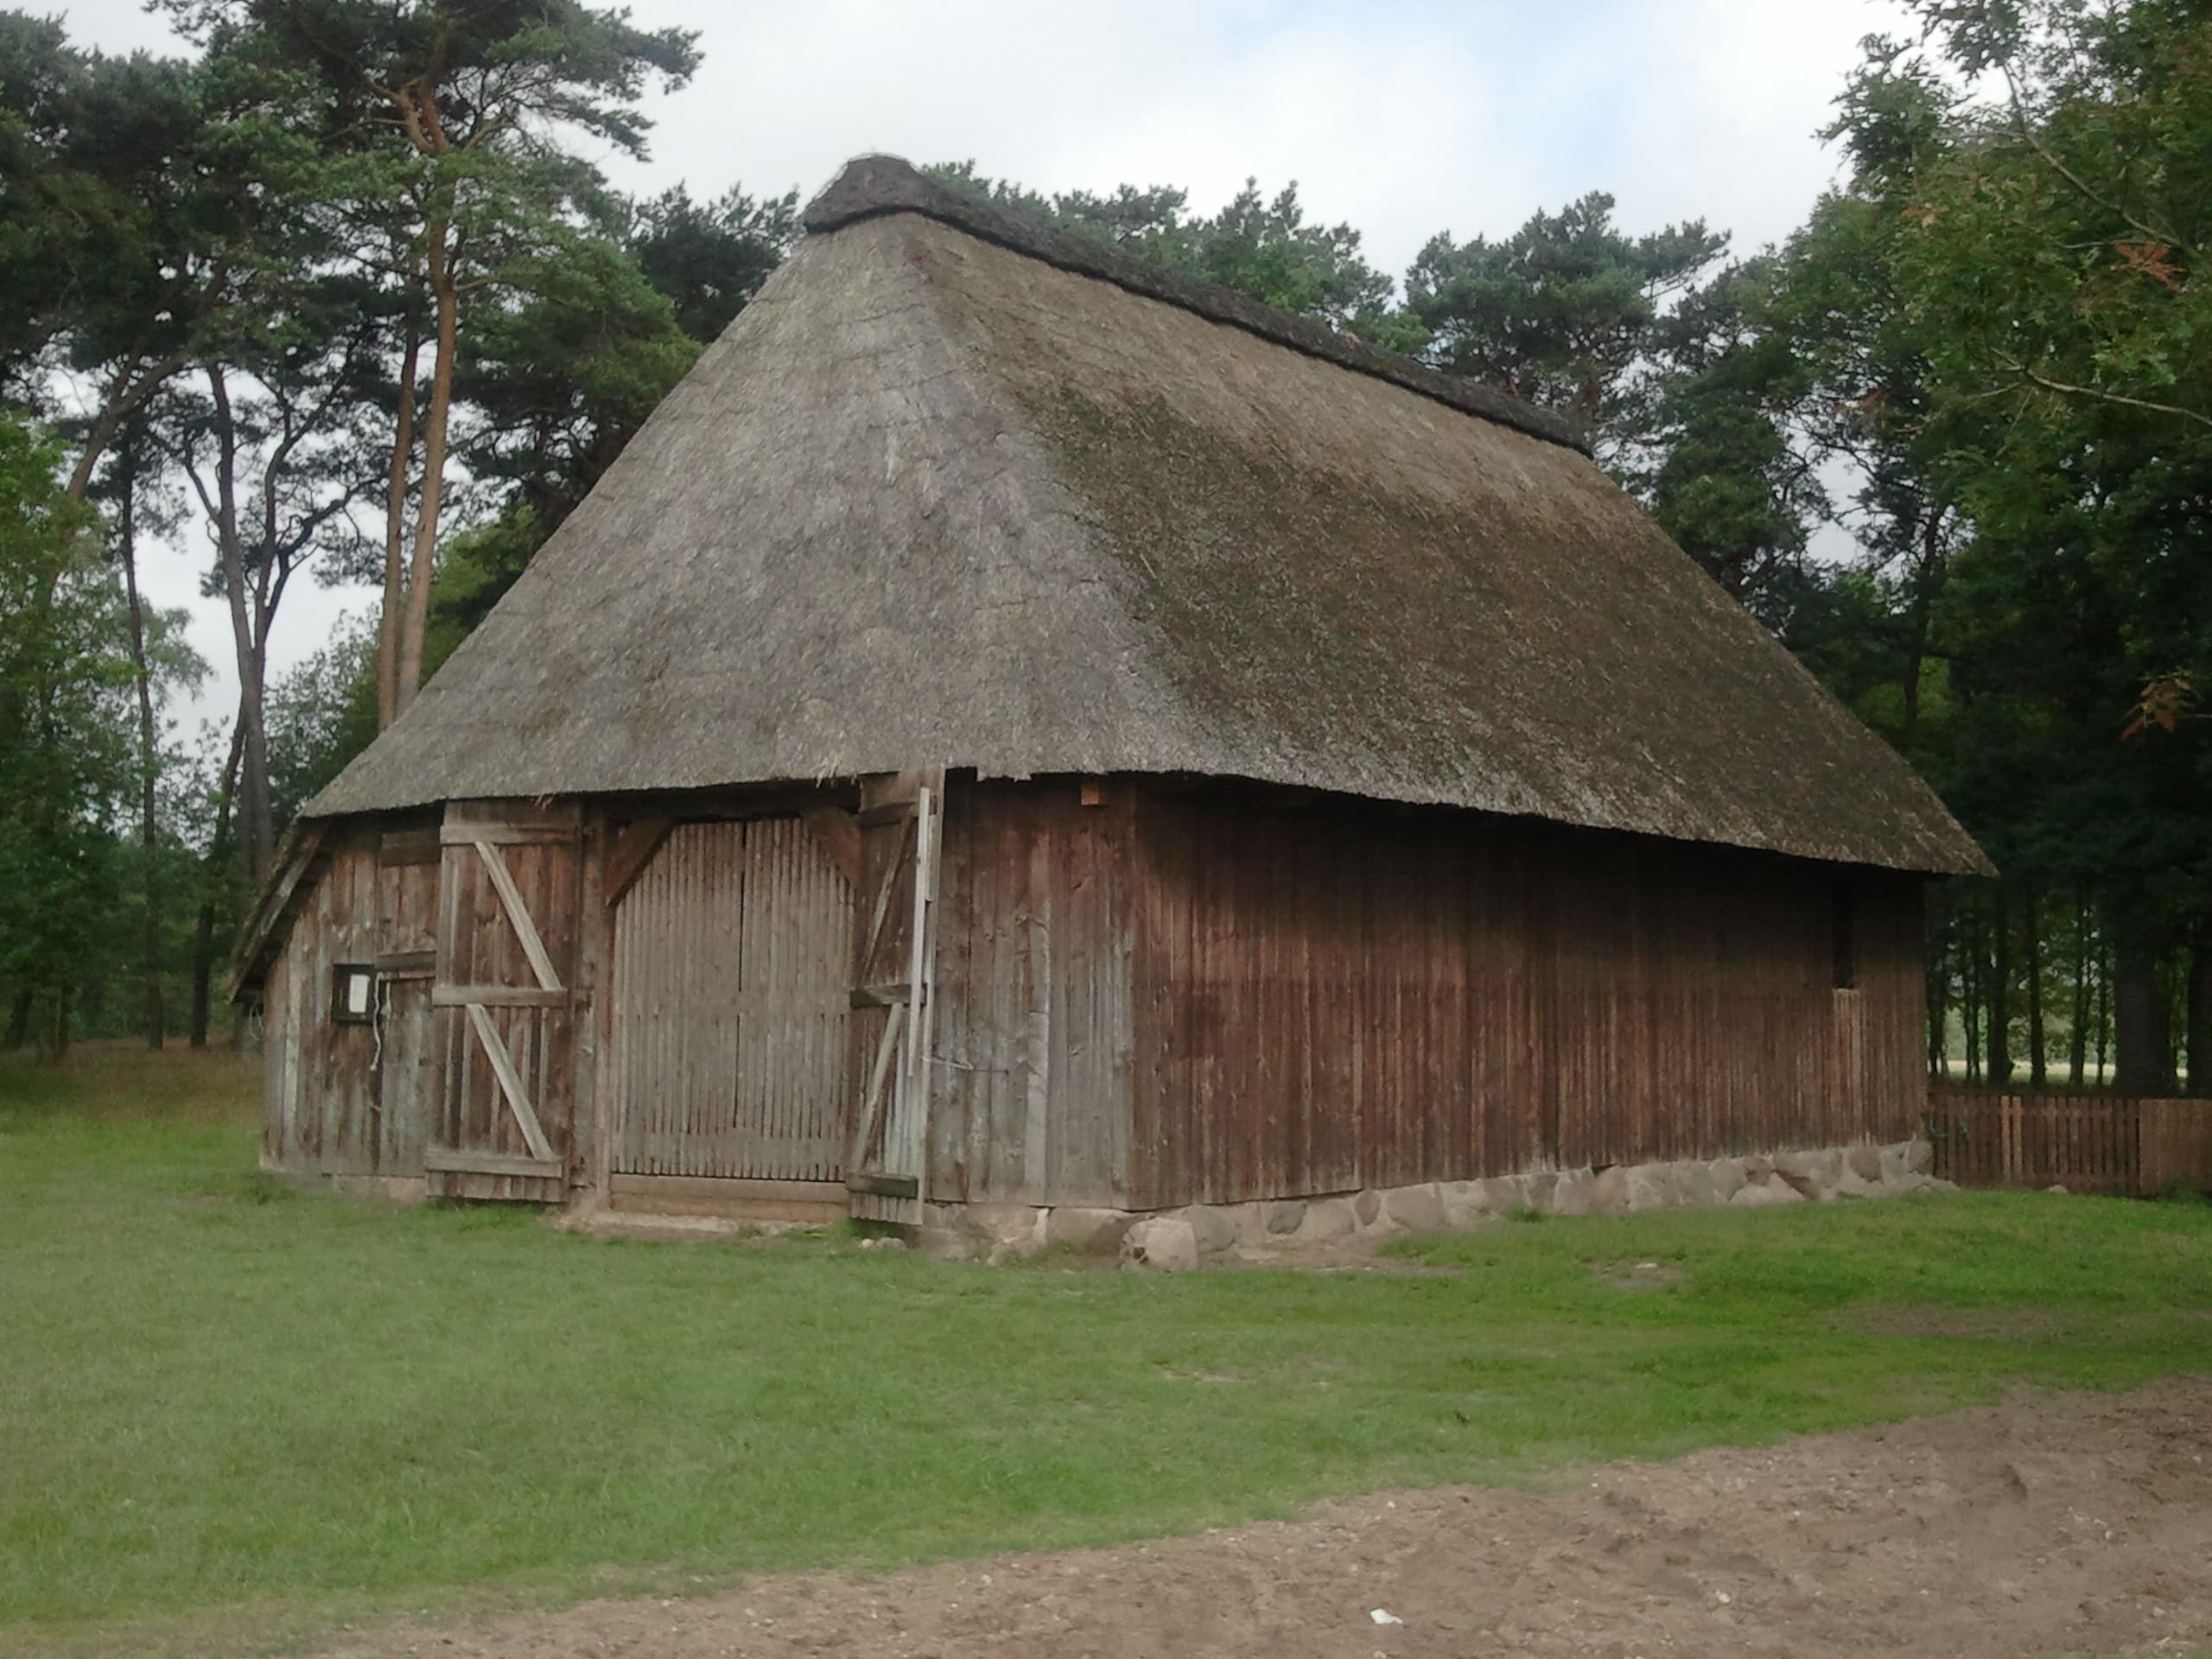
(343, 294)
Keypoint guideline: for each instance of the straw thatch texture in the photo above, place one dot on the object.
(932, 501)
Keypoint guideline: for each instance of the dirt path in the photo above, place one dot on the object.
(2050, 1524)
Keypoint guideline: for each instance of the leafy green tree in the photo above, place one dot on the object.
(562, 379)
(455, 118)
(65, 737)
(1565, 312)
(2007, 305)
(322, 713)
(137, 193)
(1262, 247)
(709, 258)
(1716, 451)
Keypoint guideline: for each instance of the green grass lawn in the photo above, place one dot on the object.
(222, 1408)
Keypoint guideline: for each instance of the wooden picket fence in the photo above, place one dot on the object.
(2119, 1144)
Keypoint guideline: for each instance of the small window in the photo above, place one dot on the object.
(353, 993)
(1844, 923)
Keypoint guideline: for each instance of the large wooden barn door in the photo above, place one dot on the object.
(507, 897)
(894, 971)
(729, 1006)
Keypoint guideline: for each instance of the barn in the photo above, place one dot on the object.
(1020, 731)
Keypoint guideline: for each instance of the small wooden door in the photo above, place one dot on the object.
(729, 1004)
(507, 897)
(894, 974)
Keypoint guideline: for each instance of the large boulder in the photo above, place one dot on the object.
(1850, 1184)
(1865, 1160)
(1814, 1173)
(1571, 1192)
(1652, 1186)
(1087, 1231)
(1414, 1209)
(1284, 1216)
(1728, 1177)
(1693, 1184)
(1163, 1243)
(1609, 1190)
(1761, 1194)
(1213, 1227)
(1327, 1218)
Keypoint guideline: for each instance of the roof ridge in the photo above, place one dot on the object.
(870, 187)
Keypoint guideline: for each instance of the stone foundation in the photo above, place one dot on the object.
(1177, 1239)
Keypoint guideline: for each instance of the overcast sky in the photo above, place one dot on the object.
(1403, 117)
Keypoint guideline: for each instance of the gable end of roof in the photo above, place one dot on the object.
(876, 184)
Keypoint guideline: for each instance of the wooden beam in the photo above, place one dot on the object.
(818, 1202)
(509, 1084)
(880, 997)
(455, 1161)
(884, 1186)
(295, 856)
(629, 852)
(496, 996)
(525, 930)
(402, 964)
(465, 832)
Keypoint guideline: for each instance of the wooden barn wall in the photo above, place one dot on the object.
(1031, 1071)
(342, 1099)
(1331, 995)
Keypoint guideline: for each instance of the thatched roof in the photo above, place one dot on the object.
(958, 490)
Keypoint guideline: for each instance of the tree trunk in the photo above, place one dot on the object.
(423, 571)
(391, 622)
(2105, 968)
(2197, 1018)
(256, 814)
(2142, 1022)
(1926, 580)
(19, 1019)
(2033, 915)
(1999, 1064)
(2078, 1044)
(149, 751)
(57, 1028)
(203, 925)
(1939, 969)
(1970, 995)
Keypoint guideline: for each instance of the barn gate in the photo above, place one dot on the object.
(500, 1123)
(727, 1024)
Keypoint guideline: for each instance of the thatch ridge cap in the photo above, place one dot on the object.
(870, 187)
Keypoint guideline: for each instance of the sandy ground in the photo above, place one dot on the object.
(2049, 1524)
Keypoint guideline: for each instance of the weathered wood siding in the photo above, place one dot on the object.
(730, 984)
(1332, 994)
(346, 1099)
(2083, 1140)
(1031, 1071)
